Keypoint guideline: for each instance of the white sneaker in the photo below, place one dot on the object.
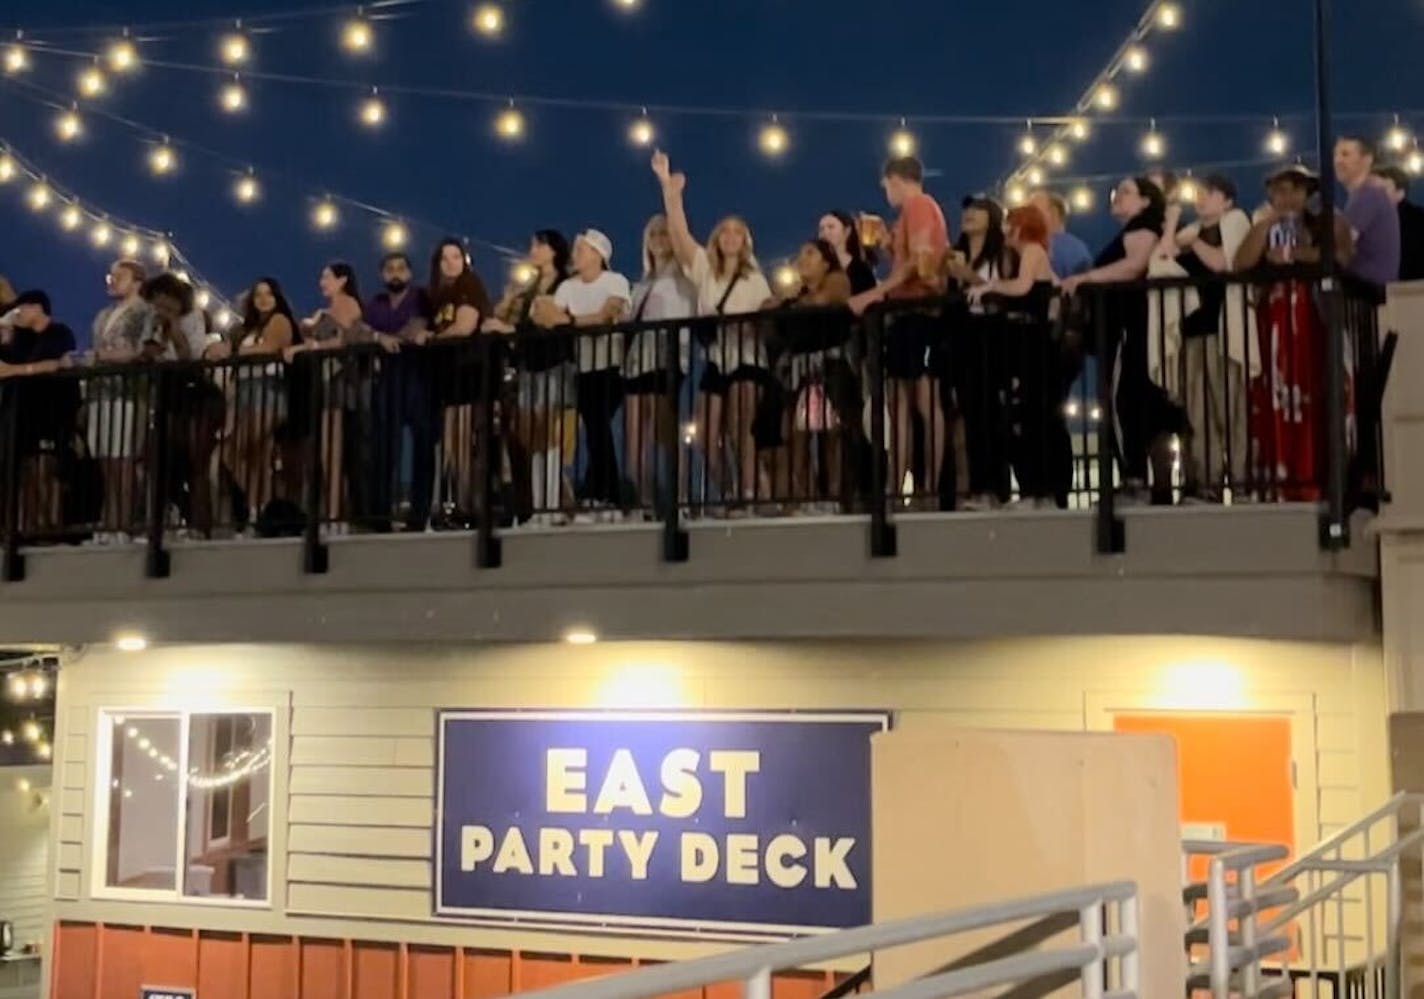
(981, 503)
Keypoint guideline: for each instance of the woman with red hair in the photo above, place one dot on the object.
(1037, 387)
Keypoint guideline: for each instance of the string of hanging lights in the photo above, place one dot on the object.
(27, 687)
(105, 231)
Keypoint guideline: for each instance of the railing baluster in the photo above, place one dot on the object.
(667, 437)
(489, 550)
(315, 559)
(883, 542)
(14, 561)
(161, 386)
(1112, 537)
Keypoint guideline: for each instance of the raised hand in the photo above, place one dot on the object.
(662, 168)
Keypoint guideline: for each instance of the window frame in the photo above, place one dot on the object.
(99, 888)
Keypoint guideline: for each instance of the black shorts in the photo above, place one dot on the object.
(909, 342)
(716, 383)
(651, 383)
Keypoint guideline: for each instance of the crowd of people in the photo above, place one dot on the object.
(580, 394)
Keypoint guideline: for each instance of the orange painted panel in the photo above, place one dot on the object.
(724, 990)
(375, 971)
(690, 994)
(431, 973)
(171, 958)
(323, 965)
(272, 966)
(799, 985)
(1235, 770)
(76, 965)
(122, 961)
(488, 974)
(222, 966)
(542, 971)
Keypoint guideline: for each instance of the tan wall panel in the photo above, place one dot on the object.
(70, 857)
(71, 829)
(360, 751)
(369, 842)
(371, 782)
(419, 813)
(374, 721)
(359, 871)
(384, 903)
(73, 774)
(70, 801)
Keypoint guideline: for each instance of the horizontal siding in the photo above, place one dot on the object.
(24, 849)
(359, 871)
(402, 812)
(380, 903)
(364, 782)
(336, 721)
(361, 751)
(1338, 769)
(347, 841)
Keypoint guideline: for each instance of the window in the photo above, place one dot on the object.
(187, 799)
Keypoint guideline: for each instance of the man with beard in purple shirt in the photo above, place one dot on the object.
(1371, 214)
(404, 399)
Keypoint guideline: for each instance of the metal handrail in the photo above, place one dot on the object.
(1392, 807)
(754, 965)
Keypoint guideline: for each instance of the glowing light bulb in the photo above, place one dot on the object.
(773, 139)
(627, 4)
(1028, 145)
(183, 276)
(1277, 142)
(234, 50)
(18, 687)
(123, 56)
(101, 235)
(1414, 163)
(130, 246)
(203, 299)
(246, 189)
(223, 319)
(71, 218)
(1079, 131)
(786, 277)
(162, 160)
(325, 216)
(1187, 191)
(39, 197)
(1397, 139)
(1169, 16)
(509, 124)
(1135, 59)
(903, 142)
(7, 738)
(1154, 147)
(489, 19)
(524, 273)
(1082, 199)
(1106, 98)
(92, 82)
(1034, 176)
(357, 36)
(30, 731)
(68, 126)
(1016, 195)
(233, 97)
(1056, 154)
(43, 751)
(373, 112)
(17, 59)
(7, 168)
(394, 236)
(641, 132)
(161, 254)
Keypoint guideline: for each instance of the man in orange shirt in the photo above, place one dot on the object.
(918, 244)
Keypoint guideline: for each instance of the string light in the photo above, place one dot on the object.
(786, 277)
(1414, 163)
(123, 56)
(394, 235)
(162, 159)
(233, 97)
(489, 19)
(1169, 16)
(1187, 191)
(7, 738)
(1079, 130)
(1028, 145)
(101, 235)
(524, 273)
(223, 317)
(627, 4)
(1398, 138)
(92, 82)
(130, 246)
(1106, 97)
(203, 299)
(1136, 59)
(18, 687)
(1082, 199)
(246, 189)
(245, 764)
(30, 731)
(903, 142)
(773, 139)
(1016, 195)
(234, 50)
(68, 126)
(1154, 147)
(1056, 154)
(325, 216)
(1277, 141)
(71, 218)
(43, 751)
(1034, 176)
(40, 196)
(509, 124)
(17, 59)
(7, 168)
(373, 111)
(357, 36)
(161, 253)
(641, 133)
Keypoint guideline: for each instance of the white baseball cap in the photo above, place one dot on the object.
(599, 242)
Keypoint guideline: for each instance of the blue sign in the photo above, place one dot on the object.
(736, 825)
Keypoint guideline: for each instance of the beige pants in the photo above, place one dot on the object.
(1214, 392)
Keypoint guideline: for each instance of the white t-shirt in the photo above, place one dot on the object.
(192, 327)
(740, 344)
(668, 296)
(596, 352)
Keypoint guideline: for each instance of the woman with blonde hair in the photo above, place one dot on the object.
(729, 282)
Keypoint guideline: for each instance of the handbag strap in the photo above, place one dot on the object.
(722, 305)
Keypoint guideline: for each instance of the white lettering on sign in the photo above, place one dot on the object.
(146, 992)
(623, 787)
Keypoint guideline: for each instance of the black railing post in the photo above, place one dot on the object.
(883, 541)
(676, 546)
(315, 560)
(1112, 537)
(14, 561)
(489, 549)
(156, 563)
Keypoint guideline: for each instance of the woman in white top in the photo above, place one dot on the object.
(594, 296)
(729, 283)
(664, 293)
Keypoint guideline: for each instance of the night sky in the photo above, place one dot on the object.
(438, 159)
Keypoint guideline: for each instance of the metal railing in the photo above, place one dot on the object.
(1341, 916)
(1104, 959)
(1126, 392)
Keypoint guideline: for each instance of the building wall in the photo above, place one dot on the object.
(24, 849)
(352, 806)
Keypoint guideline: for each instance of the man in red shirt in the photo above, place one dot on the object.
(918, 244)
